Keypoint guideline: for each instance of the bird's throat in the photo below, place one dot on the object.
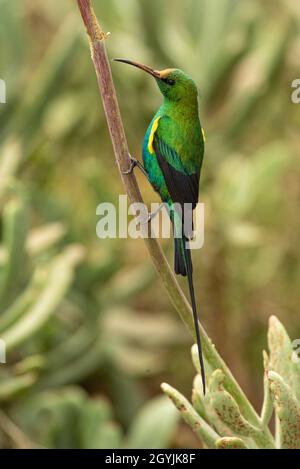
(183, 108)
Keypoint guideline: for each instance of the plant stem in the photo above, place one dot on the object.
(116, 129)
(21, 441)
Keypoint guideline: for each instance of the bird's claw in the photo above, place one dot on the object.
(133, 163)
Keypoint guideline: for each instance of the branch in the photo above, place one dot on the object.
(116, 129)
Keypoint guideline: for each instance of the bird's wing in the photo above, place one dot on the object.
(182, 186)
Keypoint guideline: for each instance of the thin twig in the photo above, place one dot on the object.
(19, 438)
(116, 129)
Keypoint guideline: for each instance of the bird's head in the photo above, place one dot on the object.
(174, 84)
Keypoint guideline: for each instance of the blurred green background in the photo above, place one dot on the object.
(90, 331)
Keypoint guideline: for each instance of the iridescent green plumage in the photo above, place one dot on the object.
(178, 127)
(172, 154)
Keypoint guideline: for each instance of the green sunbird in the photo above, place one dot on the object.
(173, 152)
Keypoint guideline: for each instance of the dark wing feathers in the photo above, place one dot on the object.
(183, 187)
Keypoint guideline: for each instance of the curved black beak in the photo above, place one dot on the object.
(151, 71)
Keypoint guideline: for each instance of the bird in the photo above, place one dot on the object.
(173, 151)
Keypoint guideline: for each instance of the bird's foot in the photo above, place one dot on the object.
(133, 164)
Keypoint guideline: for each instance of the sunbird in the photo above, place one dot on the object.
(173, 151)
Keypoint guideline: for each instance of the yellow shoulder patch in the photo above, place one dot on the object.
(151, 136)
(203, 134)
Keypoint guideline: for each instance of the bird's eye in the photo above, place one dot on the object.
(169, 81)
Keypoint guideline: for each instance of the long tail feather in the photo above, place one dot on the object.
(188, 261)
(184, 266)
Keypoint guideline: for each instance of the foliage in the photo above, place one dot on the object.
(221, 423)
(68, 418)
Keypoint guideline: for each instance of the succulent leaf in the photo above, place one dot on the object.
(281, 352)
(230, 443)
(267, 407)
(191, 417)
(287, 408)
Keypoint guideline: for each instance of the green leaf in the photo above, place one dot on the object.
(267, 407)
(230, 443)
(287, 409)
(206, 434)
(11, 387)
(15, 221)
(59, 279)
(154, 426)
(281, 352)
(96, 429)
(229, 412)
